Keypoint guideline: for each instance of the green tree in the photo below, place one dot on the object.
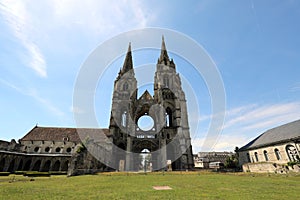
(231, 162)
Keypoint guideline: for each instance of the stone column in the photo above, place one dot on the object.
(128, 162)
(162, 162)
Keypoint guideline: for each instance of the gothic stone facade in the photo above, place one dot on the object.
(272, 150)
(168, 140)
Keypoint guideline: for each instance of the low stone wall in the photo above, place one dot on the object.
(259, 167)
(268, 167)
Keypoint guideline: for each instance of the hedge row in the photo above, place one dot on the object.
(4, 173)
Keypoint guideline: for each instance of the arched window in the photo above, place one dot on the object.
(166, 81)
(292, 153)
(11, 167)
(248, 158)
(37, 166)
(266, 155)
(124, 119)
(27, 165)
(69, 149)
(20, 167)
(256, 156)
(168, 117)
(36, 149)
(46, 166)
(56, 166)
(125, 86)
(277, 154)
(47, 149)
(2, 164)
(167, 120)
(65, 166)
(57, 150)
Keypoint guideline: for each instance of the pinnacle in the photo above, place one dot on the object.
(128, 61)
(129, 47)
(164, 58)
(163, 45)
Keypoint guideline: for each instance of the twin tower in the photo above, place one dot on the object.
(167, 138)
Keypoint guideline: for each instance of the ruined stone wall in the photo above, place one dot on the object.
(32, 156)
(85, 163)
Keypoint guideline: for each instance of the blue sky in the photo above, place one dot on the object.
(255, 45)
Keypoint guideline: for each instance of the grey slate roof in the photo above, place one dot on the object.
(276, 135)
(58, 134)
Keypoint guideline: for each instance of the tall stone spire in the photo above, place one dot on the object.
(164, 58)
(127, 66)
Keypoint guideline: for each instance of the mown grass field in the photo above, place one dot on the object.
(185, 185)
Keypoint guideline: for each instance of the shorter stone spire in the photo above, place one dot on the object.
(164, 58)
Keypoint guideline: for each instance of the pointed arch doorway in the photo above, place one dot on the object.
(145, 162)
(144, 158)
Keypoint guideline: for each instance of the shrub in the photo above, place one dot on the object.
(231, 162)
(58, 173)
(4, 173)
(81, 149)
(292, 163)
(36, 174)
(19, 172)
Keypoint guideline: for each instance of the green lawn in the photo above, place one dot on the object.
(140, 186)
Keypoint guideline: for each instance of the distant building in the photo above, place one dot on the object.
(272, 150)
(202, 159)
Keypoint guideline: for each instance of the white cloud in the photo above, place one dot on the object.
(76, 110)
(19, 20)
(33, 93)
(229, 142)
(223, 143)
(45, 102)
(295, 88)
(254, 116)
(197, 144)
(244, 123)
(98, 18)
(56, 25)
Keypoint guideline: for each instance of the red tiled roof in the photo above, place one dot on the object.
(62, 134)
